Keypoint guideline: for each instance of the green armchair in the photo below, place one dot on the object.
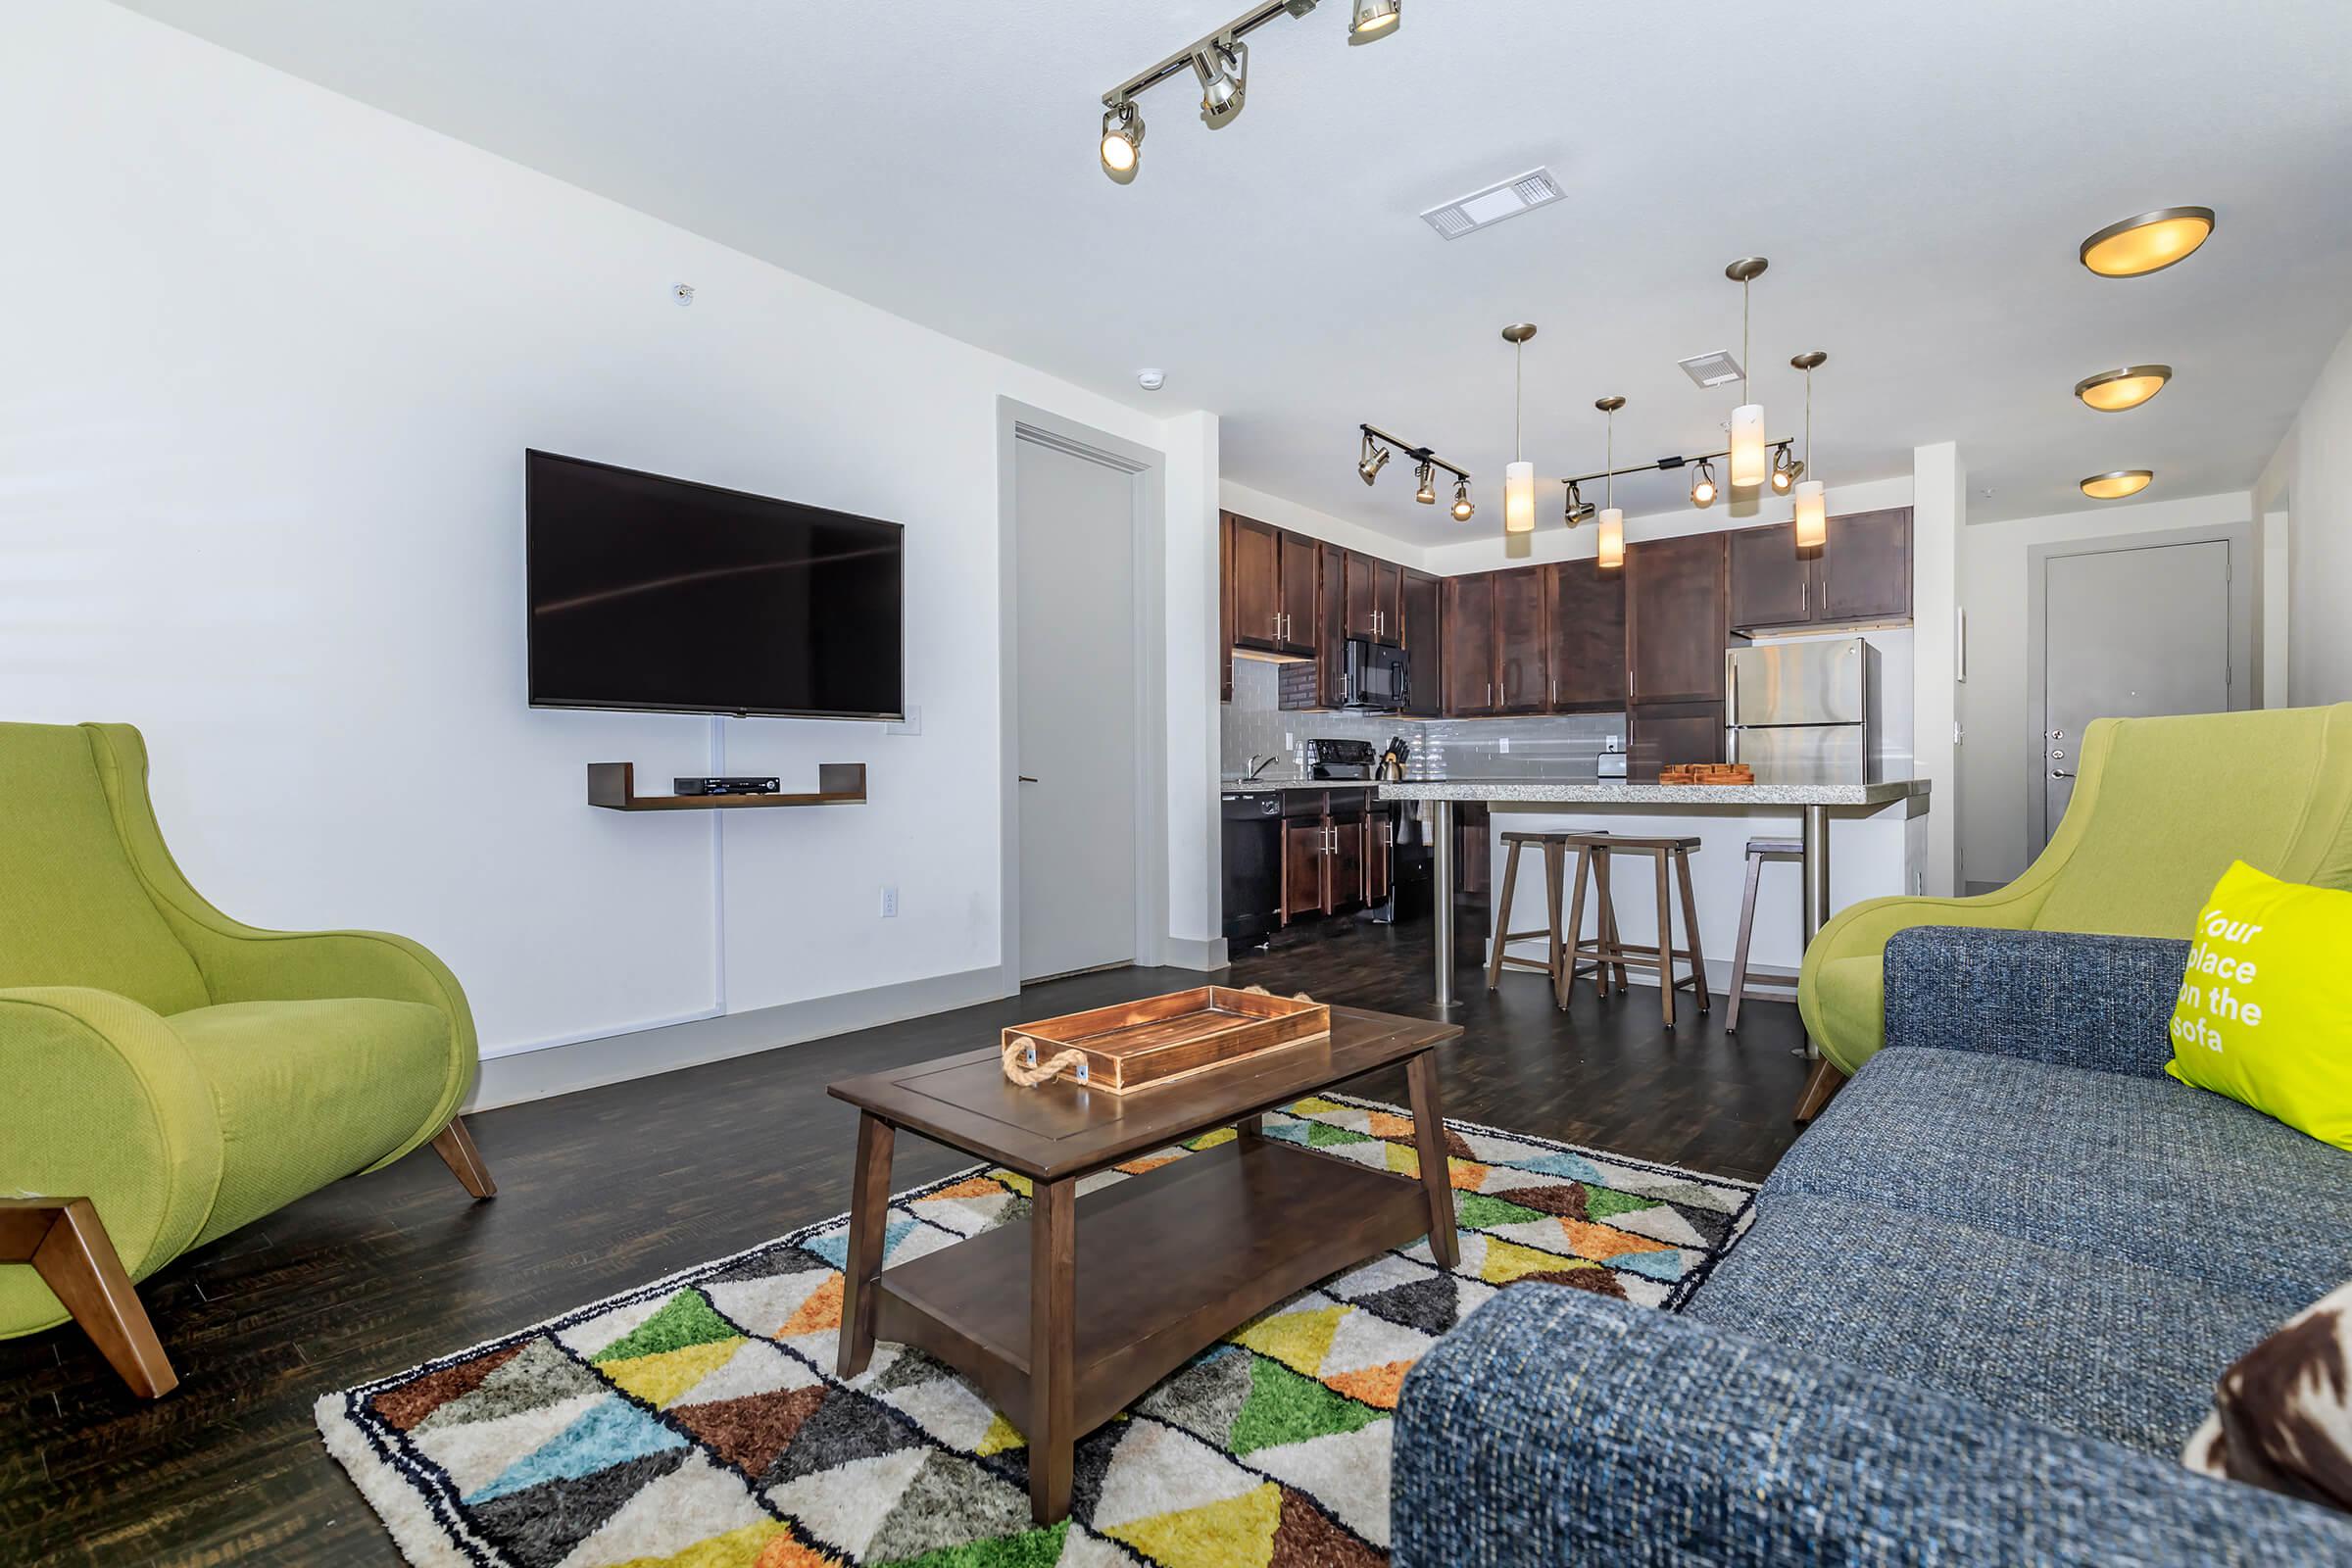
(2161, 807)
(171, 1074)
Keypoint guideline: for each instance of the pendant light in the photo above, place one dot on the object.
(1519, 479)
(1749, 468)
(1812, 507)
(1612, 521)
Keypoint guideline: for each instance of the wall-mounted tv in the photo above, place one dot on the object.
(662, 594)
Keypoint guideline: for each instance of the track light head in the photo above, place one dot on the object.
(1783, 469)
(1375, 20)
(1375, 458)
(1427, 473)
(1463, 509)
(1223, 66)
(1703, 485)
(1122, 141)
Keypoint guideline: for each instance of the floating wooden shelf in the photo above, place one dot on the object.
(614, 786)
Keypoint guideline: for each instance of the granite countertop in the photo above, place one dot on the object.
(1617, 792)
(1261, 786)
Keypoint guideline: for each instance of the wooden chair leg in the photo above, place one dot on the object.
(1555, 865)
(1826, 1080)
(455, 1144)
(63, 1240)
(1502, 919)
(1566, 986)
(1747, 929)
(1699, 956)
(1607, 925)
(1665, 936)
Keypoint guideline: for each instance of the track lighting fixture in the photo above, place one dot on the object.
(1379, 446)
(1703, 485)
(1374, 21)
(1223, 66)
(1519, 479)
(1812, 506)
(1375, 458)
(1427, 473)
(1747, 420)
(1221, 62)
(1122, 140)
(1463, 509)
(1610, 554)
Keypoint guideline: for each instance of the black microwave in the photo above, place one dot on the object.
(1377, 676)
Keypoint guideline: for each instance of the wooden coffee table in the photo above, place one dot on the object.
(1065, 1326)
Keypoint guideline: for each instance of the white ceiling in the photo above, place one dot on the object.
(1918, 174)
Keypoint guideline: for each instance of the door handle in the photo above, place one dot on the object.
(2060, 774)
(1026, 779)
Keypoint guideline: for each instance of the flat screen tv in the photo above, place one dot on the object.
(661, 594)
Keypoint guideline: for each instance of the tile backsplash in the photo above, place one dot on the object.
(1564, 747)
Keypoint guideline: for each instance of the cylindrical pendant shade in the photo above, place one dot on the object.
(1812, 515)
(1748, 465)
(1519, 498)
(1612, 539)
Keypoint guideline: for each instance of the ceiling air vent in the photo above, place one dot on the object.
(1711, 369)
(1523, 193)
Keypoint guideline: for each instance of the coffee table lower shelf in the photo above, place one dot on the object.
(1166, 1263)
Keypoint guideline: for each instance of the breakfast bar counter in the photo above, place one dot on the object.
(1813, 803)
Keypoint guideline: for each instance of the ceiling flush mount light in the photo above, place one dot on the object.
(1122, 141)
(1463, 509)
(2148, 243)
(1427, 473)
(1611, 553)
(1519, 479)
(1375, 458)
(1703, 485)
(1374, 21)
(1812, 506)
(1223, 66)
(2117, 485)
(2114, 391)
(1747, 420)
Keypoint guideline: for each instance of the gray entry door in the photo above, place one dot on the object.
(1077, 735)
(2128, 632)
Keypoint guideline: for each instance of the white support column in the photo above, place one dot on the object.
(1196, 900)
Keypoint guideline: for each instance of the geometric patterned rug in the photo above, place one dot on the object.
(696, 1422)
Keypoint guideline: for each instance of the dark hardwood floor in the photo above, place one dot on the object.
(613, 1187)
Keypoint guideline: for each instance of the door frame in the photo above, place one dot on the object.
(1145, 468)
(2243, 572)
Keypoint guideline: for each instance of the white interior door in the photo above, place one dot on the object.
(2130, 632)
(1077, 769)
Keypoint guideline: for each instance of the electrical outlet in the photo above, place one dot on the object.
(890, 902)
(1504, 745)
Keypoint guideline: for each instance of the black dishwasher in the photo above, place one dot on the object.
(1252, 865)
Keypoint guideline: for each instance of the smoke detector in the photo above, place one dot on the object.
(1711, 369)
(1150, 380)
(1483, 209)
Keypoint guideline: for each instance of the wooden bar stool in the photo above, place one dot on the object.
(1758, 851)
(1556, 860)
(1593, 865)
(1672, 858)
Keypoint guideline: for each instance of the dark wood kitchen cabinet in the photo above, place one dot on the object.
(1422, 616)
(1677, 619)
(1388, 588)
(1331, 626)
(1584, 616)
(1861, 573)
(1274, 584)
(1469, 641)
(1300, 559)
(1303, 846)
(1224, 606)
(1522, 675)
(1329, 853)
(1380, 854)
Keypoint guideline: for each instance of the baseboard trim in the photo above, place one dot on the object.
(526, 1075)
(1190, 953)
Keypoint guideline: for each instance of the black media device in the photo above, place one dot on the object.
(664, 595)
(727, 786)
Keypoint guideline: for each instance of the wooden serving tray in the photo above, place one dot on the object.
(1707, 774)
(1138, 1044)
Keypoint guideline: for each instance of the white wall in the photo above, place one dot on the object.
(2000, 754)
(1282, 513)
(272, 361)
(2311, 474)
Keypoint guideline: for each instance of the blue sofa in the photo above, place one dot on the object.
(1980, 1307)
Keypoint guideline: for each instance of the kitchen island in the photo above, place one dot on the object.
(1813, 804)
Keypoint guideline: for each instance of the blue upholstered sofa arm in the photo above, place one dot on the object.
(2102, 1003)
(1557, 1427)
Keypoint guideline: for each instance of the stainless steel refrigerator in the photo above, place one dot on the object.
(1805, 712)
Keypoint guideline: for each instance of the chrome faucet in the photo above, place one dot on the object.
(1258, 764)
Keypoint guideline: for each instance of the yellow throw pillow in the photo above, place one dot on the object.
(2265, 1013)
